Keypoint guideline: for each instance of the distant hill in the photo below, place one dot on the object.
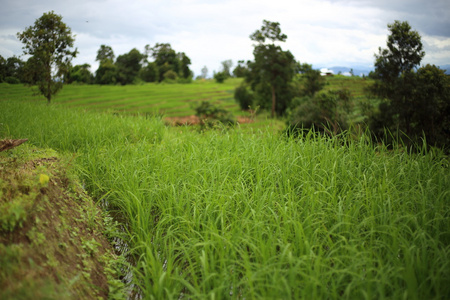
(446, 68)
(359, 71)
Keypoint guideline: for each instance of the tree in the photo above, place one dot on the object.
(241, 69)
(105, 53)
(220, 77)
(204, 72)
(226, 67)
(394, 75)
(11, 69)
(107, 70)
(150, 72)
(272, 67)
(431, 96)
(2, 68)
(314, 82)
(416, 100)
(185, 61)
(49, 42)
(80, 74)
(165, 59)
(327, 112)
(128, 66)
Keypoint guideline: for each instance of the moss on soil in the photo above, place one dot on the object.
(53, 237)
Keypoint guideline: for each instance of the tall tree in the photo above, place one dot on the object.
(2, 68)
(129, 65)
(166, 59)
(185, 61)
(80, 74)
(49, 42)
(226, 67)
(414, 98)
(204, 72)
(272, 66)
(394, 67)
(107, 70)
(104, 53)
(241, 69)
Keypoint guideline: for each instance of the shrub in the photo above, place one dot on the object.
(12, 80)
(220, 77)
(243, 96)
(210, 114)
(170, 76)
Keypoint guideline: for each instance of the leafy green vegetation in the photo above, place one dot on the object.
(250, 214)
(53, 244)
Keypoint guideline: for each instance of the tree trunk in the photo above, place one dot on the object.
(274, 101)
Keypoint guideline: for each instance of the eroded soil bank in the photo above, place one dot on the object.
(54, 240)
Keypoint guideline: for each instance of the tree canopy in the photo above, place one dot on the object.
(272, 70)
(415, 100)
(49, 41)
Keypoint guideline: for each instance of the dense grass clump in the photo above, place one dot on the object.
(256, 215)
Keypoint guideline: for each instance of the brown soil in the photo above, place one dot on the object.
(51, 233)
(194, 120)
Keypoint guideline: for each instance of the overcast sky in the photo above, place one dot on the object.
(322, 33)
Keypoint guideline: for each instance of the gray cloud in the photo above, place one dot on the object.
(336, 32)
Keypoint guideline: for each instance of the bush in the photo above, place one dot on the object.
(12, 80)
(243, 96)
(210, 114)
(170, 76)
(220, 77)
(326, 112)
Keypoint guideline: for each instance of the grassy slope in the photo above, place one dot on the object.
(255, 215)
(52, 243)
(170, 100)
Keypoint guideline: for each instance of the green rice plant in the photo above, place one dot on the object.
(251, 214)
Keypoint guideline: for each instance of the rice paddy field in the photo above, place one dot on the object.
(234, 214)
(171, 100)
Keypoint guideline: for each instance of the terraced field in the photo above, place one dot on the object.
(170, 100)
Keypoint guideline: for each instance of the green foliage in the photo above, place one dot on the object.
(269, 30)
(11, 70)
(150, 73)
(106, 72)
(415, 103)
(80, 74)
(243, 96)
(226, 67)
(105, 53)
(128, 66)
(49, 42)
(326, 112)
(13, 214)
(241, 69)
(220, 77)
(210, 114)
(313, 82)
(170, 76)
(166, 59)
(254, 215)
(2, 68)
(271, 66)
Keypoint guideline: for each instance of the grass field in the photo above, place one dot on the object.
(219, 215)
(170, 100)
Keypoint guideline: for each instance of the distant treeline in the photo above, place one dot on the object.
(154, 64)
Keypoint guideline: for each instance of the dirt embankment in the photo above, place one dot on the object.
(53, 238)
